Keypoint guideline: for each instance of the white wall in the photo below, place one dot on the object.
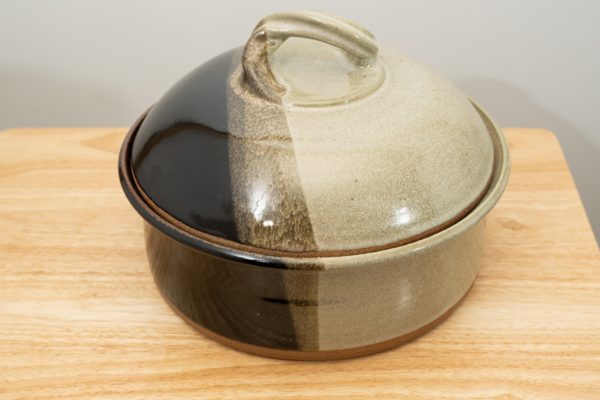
(530, 63)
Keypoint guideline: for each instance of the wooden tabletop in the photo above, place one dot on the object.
(80, 317)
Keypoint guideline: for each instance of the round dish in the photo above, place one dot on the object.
(349, 292)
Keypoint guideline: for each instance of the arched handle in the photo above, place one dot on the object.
(273, 30)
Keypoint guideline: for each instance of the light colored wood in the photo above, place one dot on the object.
(80, 317)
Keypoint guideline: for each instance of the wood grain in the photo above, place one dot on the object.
(80, 317)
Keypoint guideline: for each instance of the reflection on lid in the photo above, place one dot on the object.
(403, 216)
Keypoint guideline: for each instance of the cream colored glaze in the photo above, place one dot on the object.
(275, 29)
(384, 168)
(392, 165)
(269, 204)
(389, 164)
(339, 80)
(392, 296)
(369, 298)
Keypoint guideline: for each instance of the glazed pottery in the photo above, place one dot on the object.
(312, 195)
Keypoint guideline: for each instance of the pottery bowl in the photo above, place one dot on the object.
(325, 209)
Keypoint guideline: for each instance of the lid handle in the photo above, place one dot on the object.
(273, 30)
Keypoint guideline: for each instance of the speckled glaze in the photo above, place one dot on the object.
(313, 199)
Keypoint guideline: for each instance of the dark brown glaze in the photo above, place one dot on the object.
(197, 150)
(180, 154)
(241, 302)
(154, 215)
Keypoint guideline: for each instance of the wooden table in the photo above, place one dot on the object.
(80, 317)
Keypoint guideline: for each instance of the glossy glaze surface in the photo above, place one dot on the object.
(401, 163)
(320, 303)
(313, 227)
(239, 301)
(376, 299)
(180, 156)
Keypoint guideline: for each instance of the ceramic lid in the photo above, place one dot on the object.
(312, 139)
